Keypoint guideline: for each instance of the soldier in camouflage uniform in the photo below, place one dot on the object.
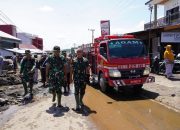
(56, 74)
(80, 67)
(27, 71)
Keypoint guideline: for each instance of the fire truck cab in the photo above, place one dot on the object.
(119, 60)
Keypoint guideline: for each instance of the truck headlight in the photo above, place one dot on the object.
(114, 73)
(147, 71)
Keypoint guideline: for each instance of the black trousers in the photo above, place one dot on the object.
(43, 74)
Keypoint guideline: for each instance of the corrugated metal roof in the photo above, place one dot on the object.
(27, 46)
(8, 36)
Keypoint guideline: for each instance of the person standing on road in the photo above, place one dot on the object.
(27, 69)
(55, 74)
(169, 61)
(36, 69)
(80, 67)
(42, 65)
(68, 67)
(14, 58)
(1, 64)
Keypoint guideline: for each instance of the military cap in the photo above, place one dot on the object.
(79, 50)
(63, 52)
(27, 51)
(56, 48)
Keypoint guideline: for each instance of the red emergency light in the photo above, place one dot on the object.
(109, 37)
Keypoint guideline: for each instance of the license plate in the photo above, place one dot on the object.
(135, 81)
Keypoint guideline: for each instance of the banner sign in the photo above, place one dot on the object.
(105, 27)
(173, 37)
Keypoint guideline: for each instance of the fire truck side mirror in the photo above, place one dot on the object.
(103, 52)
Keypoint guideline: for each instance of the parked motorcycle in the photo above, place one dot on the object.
(159, 66)
(155, 65)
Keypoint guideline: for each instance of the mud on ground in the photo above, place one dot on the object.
(11, 90)
(9, 79)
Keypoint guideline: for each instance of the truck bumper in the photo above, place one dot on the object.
(130, 82)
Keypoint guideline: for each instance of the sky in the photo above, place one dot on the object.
(66, 22)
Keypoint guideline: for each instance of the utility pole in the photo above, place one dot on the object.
(155, 15)
(92, 31)
(150, 9)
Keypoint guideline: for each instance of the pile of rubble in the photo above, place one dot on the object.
(13, 95)
(9, 79)
(9, 96)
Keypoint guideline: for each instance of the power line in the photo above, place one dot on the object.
(6, 16)
(3, 20)
(125, 5)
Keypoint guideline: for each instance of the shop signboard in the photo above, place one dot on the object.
(170, 37)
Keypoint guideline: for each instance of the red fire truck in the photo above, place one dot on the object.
(118, 61)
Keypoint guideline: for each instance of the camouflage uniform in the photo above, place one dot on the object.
(27, 65)
(79, 74)
(56, 75)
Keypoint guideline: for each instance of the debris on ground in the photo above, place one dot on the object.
(9, 79)
(12, 91)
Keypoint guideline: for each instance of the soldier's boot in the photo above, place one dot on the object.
(54, 96)
(81, 100)
(82, 93)
(59, 100)
(65, 87)
(68, 86)
(65, 91)
(77, 101)
(25, 87)
(77, 109)
(31, 89)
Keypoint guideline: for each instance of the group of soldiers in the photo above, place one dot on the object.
(58, 71)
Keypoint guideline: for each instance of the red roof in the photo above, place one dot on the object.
(27, 46)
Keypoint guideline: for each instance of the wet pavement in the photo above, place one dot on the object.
(126, 111)
(110, 111)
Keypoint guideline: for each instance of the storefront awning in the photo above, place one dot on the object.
(8, 38)
(22, 51)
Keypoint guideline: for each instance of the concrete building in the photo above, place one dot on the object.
(9, 29)
(31, 39)
(26, 38)
(8, 42)
(167, 28)
(171, 13)
(160, 32)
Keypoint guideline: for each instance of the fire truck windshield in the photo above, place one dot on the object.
(126, 48)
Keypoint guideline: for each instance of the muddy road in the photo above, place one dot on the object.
(111, 111)
(126, 111)
(43, 115)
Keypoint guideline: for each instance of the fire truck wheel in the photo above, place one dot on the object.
(102, 83)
